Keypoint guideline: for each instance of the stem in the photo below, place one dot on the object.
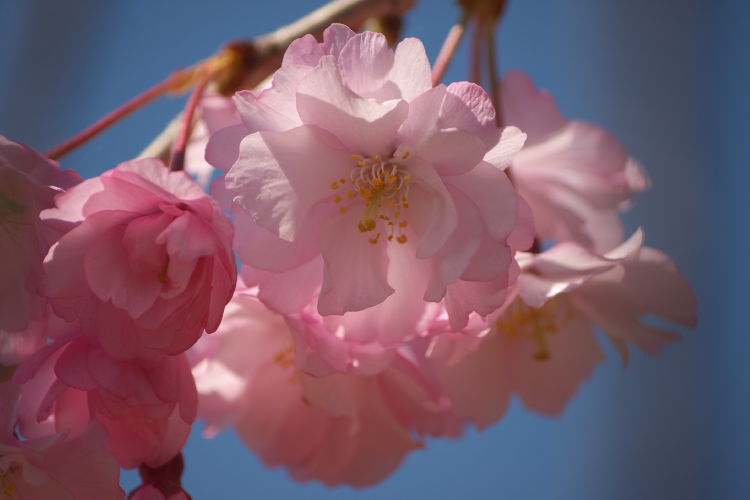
(448, 50)
(476, 54)
(166, 478)
(495, 83)
(178, 155)
(116, 115)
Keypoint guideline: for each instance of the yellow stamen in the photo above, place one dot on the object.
(534, 324)
(366, 225)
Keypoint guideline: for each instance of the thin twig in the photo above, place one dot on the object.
(495, 84)
(448, 50)
(178, 153)
(116, 115)
(476, 53)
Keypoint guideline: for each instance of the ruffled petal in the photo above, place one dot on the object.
(279, 176)
(365, 126)
(355, 270)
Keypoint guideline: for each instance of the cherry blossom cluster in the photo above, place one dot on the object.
(408, 267)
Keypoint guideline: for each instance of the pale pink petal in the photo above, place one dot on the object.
(484, 297)
(364, 64)
(259, 114)
(411, 70)
(467, 106)
(422, 120)
(510, 143)
(223, 147)
(365, 126)
(548, 385)
(304, 51)
(264, 250)
(452, 152)
(477, 383)
(453, 258)
(279, 176)
(355, 270)
(286, 292)
(431, 209)
(494, 195)
(335, 37)
(524, 232)
(533, 111)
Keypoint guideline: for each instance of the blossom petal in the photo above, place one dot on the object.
(365, 126)
(533, 111)
(432, 209)
(335, 37)
(264, 250)
(411, 69)
(364, 64)
(279, 176)
(510, 143)
(355, 270)
(223, 146)
(494, 194)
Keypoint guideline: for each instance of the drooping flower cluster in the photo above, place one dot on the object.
(408, 266)
(386, 296)
(141, 266)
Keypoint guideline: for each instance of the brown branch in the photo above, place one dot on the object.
(263, 55)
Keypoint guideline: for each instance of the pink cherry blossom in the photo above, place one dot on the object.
(146, 406)
(360, 342)
(575, 175)
(351, 151)
(338, 428)
(54, 467)
(147, 264)
(28, 185)
(543, 344)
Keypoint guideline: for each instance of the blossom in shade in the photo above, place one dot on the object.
(543, 344)
(351, 151)
(360, 342)
(337, 429)
(28, 185)
(146, 406)
(575, 175)
(146, 264)
(57, 466)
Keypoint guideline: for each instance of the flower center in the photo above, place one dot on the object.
(522, 321)
(7, 482)
(383, 185)
(285, 359)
